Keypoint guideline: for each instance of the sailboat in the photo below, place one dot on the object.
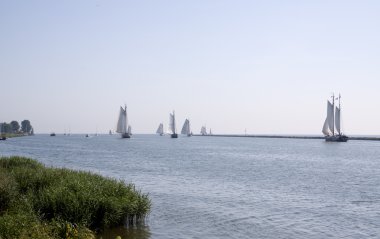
(203, 130)
(172, 127)
(110, 132)
(333, 122)
(160, 129)
(186, 128)
(129, 130)
(122, 123)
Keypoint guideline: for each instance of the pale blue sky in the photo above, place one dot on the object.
(267, 66)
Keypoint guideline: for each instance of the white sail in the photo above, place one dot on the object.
(186, 127)
(330, 116)
(337, 119)
(325, 129)
(160, 129)
(203, 130)
(122, 121)
(326, 125)
(172, 123)
(129, 130)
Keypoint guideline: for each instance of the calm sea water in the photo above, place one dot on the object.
(211, 187)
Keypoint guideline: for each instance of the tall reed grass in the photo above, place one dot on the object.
(41, 202)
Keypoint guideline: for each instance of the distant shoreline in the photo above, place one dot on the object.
(13, 135)
(285, 136)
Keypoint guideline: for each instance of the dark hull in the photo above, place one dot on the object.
(336, 138)
(3, 138)
(125, 136)
(173, 136)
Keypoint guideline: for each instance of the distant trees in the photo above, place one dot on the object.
(14, 127)
(26, 127)
(6, 128)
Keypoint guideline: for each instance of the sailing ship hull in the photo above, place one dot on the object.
(125, 136)
(336, 138)
(174, 136)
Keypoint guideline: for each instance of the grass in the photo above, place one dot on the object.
(41, 202)
(12, 135)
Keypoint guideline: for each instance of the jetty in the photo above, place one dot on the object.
(285, 136)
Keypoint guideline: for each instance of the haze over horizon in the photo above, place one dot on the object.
(265, 66)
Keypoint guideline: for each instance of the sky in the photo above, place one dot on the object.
(267, 67)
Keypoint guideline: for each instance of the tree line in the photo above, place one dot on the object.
(15, 128)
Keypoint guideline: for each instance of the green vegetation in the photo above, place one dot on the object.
(13, 129)
(26, 126)
(12, 135)
(41, 202)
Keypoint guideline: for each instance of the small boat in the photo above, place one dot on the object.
(86, 136)
(172, 127)
(52, 134)
(203, 130)
(186, 128)
(3, 137)
(122, 123)
(333, 122)
(110, 132)
(160, 129)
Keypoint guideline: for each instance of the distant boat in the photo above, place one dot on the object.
(129, 130)
(172, 126)
(329, 128)
(110, 132)
(210, 133)
(52, 134)
(160, 129)
(186, 128)
(122, 123)
(203, 130)
(86, 136)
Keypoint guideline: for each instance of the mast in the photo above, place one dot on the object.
(174, 129)
(126, 119)
(333, 114)
(340, 118)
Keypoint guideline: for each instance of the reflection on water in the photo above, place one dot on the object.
(131, 232)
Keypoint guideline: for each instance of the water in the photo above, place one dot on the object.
(211, 187)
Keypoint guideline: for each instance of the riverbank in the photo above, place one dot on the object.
(41, 202)
(286, 136)
(13, 135)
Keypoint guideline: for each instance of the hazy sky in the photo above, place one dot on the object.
(267, 66)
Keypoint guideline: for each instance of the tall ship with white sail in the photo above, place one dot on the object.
(122, 124)
(172, 126)
(186, 128)
(160, 129)
(332, 127)
(203, 130)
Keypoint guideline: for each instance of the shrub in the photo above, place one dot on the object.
(63, 203)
